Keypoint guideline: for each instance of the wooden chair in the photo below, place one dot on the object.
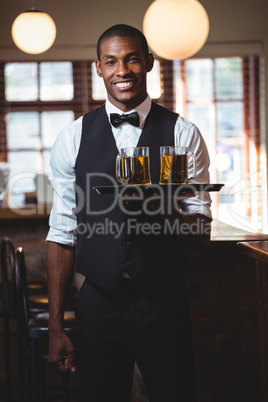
(38, 302)
(33, 335)
(8, 312)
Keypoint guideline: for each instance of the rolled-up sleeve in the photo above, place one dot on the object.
(187, 134)
(62, 221)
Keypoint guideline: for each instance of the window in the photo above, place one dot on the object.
(37, 101)
(214, 94)
(38, 96)
(30, 136)
(220, 95)
(44, 81)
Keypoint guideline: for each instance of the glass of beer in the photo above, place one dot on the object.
(174, 165)
(133, 166)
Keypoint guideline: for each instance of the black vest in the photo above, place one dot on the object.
(113, 242)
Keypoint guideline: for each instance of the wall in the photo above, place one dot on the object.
(30, 233)
(80, 22)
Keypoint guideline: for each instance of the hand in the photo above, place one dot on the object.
(61, 352)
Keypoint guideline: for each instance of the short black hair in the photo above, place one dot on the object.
(120, 30)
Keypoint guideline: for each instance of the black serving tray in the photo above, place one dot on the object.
(179, 189)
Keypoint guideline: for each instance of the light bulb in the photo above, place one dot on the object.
(33, 32)
(176, 29)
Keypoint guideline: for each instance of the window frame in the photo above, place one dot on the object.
(83, 102)
(251, 72)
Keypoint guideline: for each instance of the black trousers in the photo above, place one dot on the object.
(151, 327)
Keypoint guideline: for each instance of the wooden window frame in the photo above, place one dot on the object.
(252, 132)
(83, 102)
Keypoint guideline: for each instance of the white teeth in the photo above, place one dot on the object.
(123, 84)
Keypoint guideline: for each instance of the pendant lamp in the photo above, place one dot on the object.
(33, 31)
(176, 29)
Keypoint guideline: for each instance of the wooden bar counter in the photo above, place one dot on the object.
(258, 251)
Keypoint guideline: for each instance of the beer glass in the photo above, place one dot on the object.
(174, 162)
(133, 166)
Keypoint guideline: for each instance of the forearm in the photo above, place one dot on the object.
(60, 266)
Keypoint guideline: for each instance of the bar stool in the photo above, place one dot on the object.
(34, 339)
(8, 313)
(38, 302)
(37, 291)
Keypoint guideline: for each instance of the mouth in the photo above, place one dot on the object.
(124, 84)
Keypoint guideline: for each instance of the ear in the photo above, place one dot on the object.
(149, 62)
(98, 67)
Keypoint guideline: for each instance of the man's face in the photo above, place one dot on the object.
(123, 67)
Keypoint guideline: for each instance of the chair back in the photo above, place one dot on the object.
(8, 276)
(22, 291)
(8, 293)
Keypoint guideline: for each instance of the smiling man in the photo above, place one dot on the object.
(123, 63)
(132, 306)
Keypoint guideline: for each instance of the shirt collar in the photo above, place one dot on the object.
(143, 109)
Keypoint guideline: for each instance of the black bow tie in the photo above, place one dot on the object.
(131, 118)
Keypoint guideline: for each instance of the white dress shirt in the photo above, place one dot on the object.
(62, 220)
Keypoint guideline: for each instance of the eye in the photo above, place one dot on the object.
(133, 60)
(110, 62)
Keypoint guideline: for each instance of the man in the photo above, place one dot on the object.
(133, 304)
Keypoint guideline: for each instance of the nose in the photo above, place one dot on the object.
(122, 68)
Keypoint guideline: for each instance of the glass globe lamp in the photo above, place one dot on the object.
(176, 29)
(33, 31)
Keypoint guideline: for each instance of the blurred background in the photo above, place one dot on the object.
(221, 89)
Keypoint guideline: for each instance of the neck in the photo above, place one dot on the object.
(126, 107)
